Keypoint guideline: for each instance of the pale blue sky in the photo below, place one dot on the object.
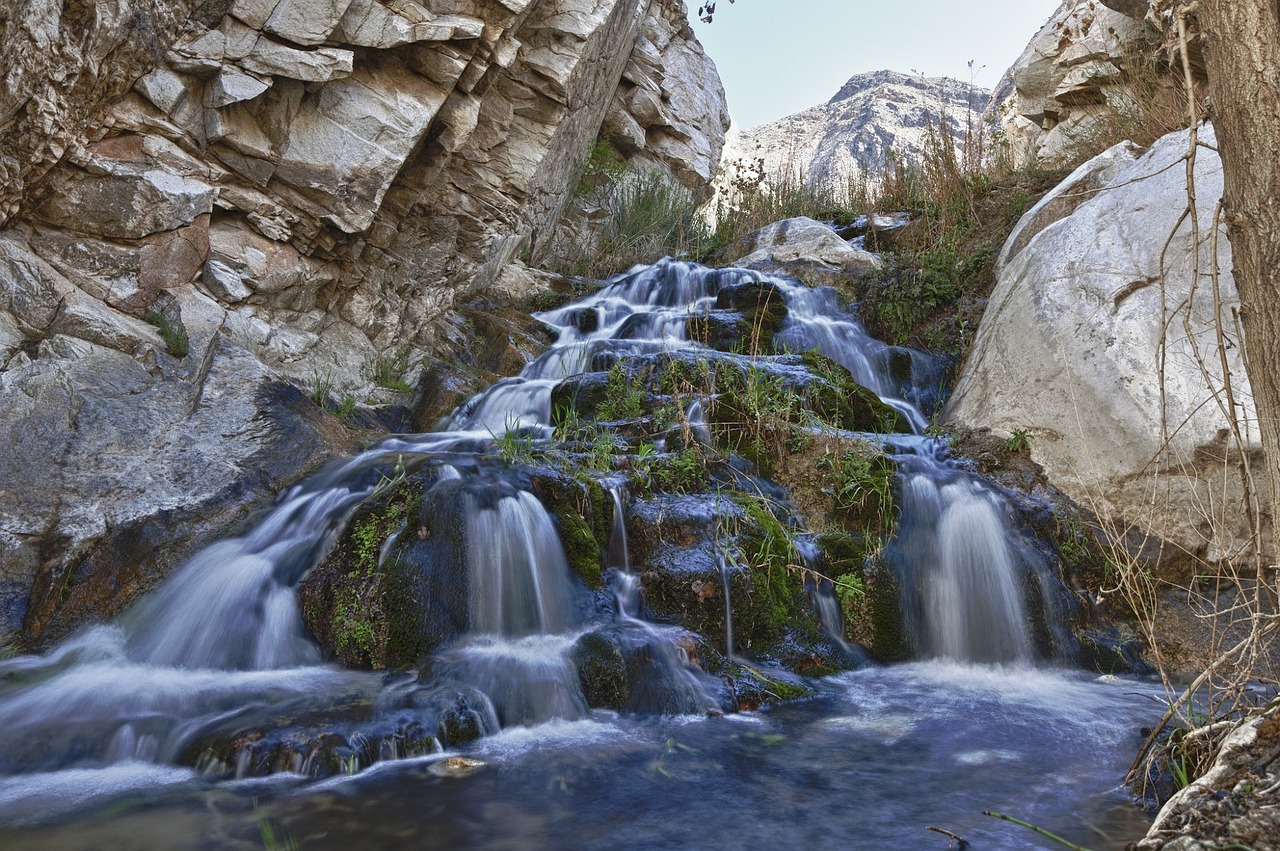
(777, 57)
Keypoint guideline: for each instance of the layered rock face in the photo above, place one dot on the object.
(850, 137)
(1112, 367)
(1087, 74)
(209, 205)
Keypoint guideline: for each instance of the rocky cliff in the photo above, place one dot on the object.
(1093, 75)
(212, 210)
(850, 136)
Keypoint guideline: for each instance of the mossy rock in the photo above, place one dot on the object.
(353, 608)
(578, 509)
(762, 309)
(602, 670)
(875, 619)
(840, 400)
(581, 549)
(754, 689)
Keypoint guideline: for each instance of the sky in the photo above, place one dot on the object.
(777, 57)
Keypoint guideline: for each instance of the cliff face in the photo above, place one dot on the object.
(850, 136)
(208, 205)
(1091, 76)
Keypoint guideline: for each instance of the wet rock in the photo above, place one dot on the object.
(394, 586)
(874, 618)
(602, 670)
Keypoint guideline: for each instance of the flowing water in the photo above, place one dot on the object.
(98, 738)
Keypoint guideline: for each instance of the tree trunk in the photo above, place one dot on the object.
(1242, 58)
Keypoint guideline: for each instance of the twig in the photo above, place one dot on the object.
(960, 841)
(1046, 834)
(1190, 690)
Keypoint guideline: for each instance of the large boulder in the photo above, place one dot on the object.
(1112, 368)
(801, 247)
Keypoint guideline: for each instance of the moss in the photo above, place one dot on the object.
(581, 548)
(754, 689)
(356, 611)
(873, 618)
(840, 400)
(602, 671)
(401, 602)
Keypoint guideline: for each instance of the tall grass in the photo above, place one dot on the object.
(648, 215)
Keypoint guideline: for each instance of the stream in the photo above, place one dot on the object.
(118, 737)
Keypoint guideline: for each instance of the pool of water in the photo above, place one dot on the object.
(878, 757)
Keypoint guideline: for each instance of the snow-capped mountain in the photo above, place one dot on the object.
(853, 133)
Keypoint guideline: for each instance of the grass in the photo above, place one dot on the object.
(650, 215)
(861, 481)
(389, 369)
(174, 335)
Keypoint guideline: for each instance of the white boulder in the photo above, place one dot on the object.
(1112, 368)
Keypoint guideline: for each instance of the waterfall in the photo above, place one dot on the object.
(517, 574)
(223, 635)
(963, 584)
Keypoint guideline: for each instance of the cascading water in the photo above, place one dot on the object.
(221, 644)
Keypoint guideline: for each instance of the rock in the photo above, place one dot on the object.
(797, 246)
(125, 457)
(1072, 86)
(1069, 347)
(124, 200)
(369, 23)
(307, 190)
(1234, 802)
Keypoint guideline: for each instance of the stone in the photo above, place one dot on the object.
(311, 66)
(799, 242)
(355, 134)
(1067, 89)
(233, 85)
(124, 200)
(369, 23)
(1069, 348)
(305, 21)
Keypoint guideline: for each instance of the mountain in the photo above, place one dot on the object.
(852, 134)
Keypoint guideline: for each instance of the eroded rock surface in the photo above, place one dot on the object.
(1079, 81)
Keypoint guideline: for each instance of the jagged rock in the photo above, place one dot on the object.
(852, 135)
(1070, 350)
(125, 200)
(1068, 89)
(118, 445)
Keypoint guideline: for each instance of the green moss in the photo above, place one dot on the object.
(602, 671)
(370, 616)
(873, 612)
(774, 598)
(581, 548)
(846, 404)
(623, 399)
